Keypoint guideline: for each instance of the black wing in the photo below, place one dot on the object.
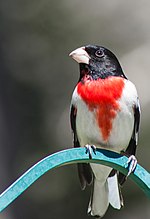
(84, 170)
(131, 149)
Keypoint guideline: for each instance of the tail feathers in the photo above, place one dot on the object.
(104, 193)
(115, 196)
(99, 199)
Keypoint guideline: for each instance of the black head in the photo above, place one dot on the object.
(97, 61)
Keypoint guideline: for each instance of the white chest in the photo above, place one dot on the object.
(88, 130)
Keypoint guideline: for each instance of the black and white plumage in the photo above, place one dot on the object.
(105, 113)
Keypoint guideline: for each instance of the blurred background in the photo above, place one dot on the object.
(36, 82)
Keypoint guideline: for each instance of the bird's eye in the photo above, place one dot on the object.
(99, 53)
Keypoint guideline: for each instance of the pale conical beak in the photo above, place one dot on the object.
(80, 55)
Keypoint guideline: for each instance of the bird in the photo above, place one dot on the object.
(104, 113)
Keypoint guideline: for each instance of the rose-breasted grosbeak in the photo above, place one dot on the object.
(105, 113)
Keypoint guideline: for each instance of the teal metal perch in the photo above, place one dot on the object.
(69, 156)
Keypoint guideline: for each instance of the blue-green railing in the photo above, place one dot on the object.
(69, 156)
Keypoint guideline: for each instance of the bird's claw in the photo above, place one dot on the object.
(89, 149)
(132, 162)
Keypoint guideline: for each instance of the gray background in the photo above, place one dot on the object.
(36, 82)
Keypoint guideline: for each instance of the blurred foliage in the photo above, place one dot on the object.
(36, 82)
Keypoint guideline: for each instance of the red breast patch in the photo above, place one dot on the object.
(102, 97)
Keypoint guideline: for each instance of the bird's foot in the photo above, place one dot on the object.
(132, 162)
(89, 149)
